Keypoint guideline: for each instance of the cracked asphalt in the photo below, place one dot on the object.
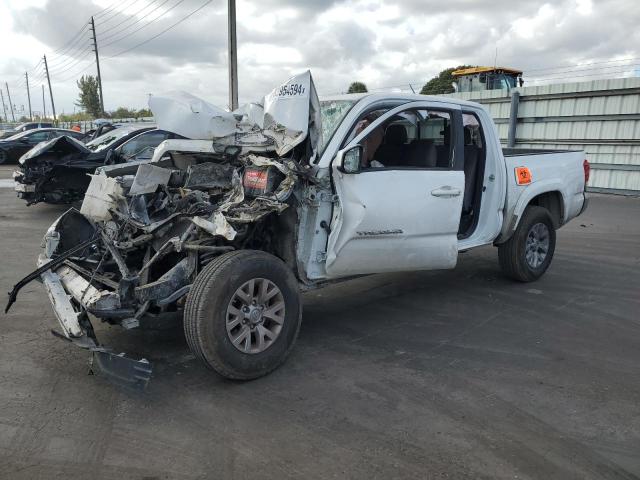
(455, 374)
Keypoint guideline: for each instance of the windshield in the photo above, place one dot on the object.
(106, 140)
(19, 135)
(332, 112)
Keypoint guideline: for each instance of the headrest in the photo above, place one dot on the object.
(395, 135)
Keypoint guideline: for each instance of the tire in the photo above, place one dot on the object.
(3, 156)
(523, 256)
(216, 301)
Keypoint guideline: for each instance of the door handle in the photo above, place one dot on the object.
(446, 192)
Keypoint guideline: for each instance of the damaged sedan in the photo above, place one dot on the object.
(284, 195)
(57, 171)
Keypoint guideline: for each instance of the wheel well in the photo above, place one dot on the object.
(552, 201)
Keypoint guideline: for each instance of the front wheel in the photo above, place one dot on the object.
(243, 314)
(3, 156)
(528, 253)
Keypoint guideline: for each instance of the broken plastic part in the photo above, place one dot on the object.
(148, 178)
(216, 225)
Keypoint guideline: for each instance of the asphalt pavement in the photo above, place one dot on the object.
(455, 374)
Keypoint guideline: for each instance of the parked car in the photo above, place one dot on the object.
(228, 232)
(57, 172)
(13, 147)
(101, 129)
(23, 127)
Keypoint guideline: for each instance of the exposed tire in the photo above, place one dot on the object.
(214, 318)
(528, 253)
(3, 156)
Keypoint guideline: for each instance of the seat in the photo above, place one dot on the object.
(393, 147)
(422, 154)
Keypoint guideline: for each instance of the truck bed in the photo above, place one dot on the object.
(559, 171)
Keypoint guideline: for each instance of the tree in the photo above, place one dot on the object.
(89, 100)
(123, 112)
(442, 82)
(357, 87)
(144, 112)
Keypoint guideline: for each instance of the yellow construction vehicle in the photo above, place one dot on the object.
(477, 79)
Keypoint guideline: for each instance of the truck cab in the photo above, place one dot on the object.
(479, 79)
(417, 179)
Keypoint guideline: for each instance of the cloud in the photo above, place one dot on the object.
(381, 42)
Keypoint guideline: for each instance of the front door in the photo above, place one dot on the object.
(400, 208)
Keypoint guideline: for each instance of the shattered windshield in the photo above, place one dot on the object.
(332, 113)
(104, 141)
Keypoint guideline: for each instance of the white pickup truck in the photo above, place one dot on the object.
(227, 233)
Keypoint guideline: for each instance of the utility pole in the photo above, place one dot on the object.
(44, 105)
(3, 107)
(10, 104)
(233, 57)
(95, 49)
(53, 107)
(26, 76)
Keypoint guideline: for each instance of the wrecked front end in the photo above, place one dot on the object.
(144, 232)
(38, 178)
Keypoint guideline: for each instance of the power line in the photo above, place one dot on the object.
(130, 17)
(596, 69)
(78, 45)
(115, 13)
(583, 65)
(577, 76)
(105, 10)
(65, 47)
(143, 26)
(111, 35)
(84, 27)
(74, 75)
(163, 31)
(73, 64)
(71, 60)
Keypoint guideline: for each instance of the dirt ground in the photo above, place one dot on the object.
(456, 374)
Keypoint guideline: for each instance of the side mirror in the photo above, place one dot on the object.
(350, 161)
(24, 140)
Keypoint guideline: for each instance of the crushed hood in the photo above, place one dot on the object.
(287, 115)
(60, 146)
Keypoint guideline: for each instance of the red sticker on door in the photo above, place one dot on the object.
(523, 176)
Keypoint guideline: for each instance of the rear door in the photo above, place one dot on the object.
(401, 210)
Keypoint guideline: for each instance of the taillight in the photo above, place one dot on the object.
(587, 170)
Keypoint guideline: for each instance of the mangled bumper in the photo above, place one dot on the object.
(63, 284)
(20, 186)
(71, 297)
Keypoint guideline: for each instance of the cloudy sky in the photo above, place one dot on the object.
(384, 43)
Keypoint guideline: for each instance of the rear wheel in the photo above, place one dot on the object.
(243, 314)
(528, 253)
